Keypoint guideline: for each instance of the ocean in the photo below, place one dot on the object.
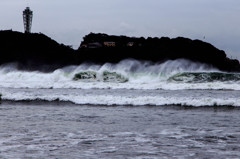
(132, 109)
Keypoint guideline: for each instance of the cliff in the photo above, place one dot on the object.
(39, 52)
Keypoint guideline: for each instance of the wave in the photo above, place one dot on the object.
(127, 74)
(113, 100)
(201, 77)
(90, 76)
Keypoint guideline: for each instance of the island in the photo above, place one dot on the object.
(36, 51)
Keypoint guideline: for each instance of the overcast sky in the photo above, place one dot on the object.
(67, 21)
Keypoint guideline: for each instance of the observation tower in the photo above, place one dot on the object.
(27, 19)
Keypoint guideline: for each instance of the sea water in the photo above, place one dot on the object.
(133, 109)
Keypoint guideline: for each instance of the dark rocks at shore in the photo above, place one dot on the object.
(39, 52)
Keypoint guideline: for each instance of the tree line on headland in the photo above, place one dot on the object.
(36, 51)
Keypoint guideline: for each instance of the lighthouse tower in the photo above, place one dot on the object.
(27, 19)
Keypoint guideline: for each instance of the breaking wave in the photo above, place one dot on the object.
(200, 77)
(125, 97)
(127, 74)
(140, 101)
(90, 76)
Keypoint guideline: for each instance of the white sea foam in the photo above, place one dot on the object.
(140, 75)
(154, 100)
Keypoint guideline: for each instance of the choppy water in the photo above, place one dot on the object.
(133, 109)
(63, 130)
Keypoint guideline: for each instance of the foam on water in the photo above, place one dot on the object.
(126, 97)
(133, 101)
(127, 74)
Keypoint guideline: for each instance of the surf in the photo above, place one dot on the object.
(200, 77)
(127, 74)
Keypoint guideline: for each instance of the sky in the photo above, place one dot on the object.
(68, 21)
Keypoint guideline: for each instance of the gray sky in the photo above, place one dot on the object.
(67, 21)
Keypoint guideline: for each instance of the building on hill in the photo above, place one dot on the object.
(130, 44)
(83, 46)
(109, 44)
(91, 45)
(94, 45)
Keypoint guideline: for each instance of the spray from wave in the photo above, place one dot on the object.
(127, 74)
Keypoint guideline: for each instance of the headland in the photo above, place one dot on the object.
(36, 51)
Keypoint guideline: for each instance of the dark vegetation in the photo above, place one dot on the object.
(34, 51)
(38, 52)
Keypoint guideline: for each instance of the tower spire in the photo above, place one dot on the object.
(27, 19)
